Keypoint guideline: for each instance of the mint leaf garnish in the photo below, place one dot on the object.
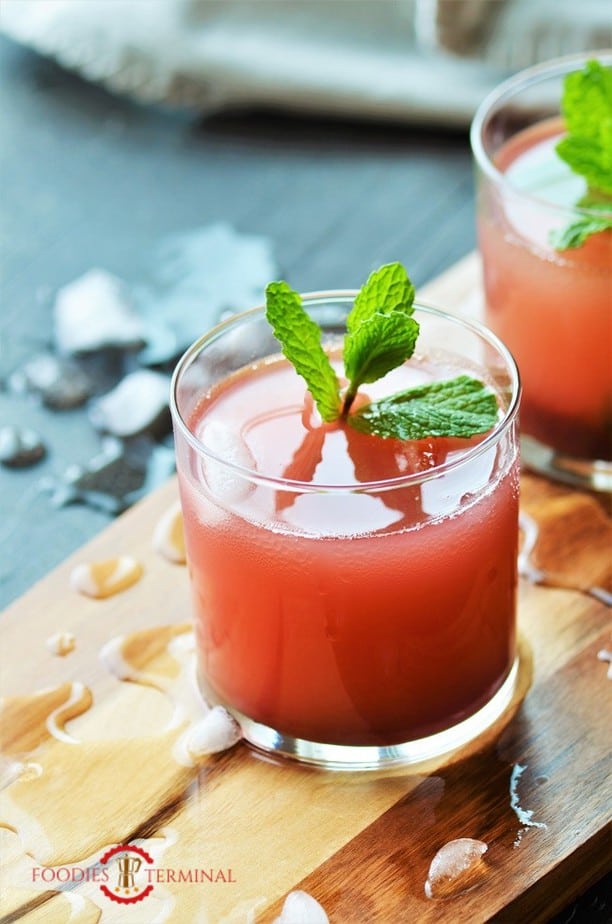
(587, 108)
(381, 333)
(300, 339)
(462, 407)
(380, 343)
(576, 233)
(387, 289)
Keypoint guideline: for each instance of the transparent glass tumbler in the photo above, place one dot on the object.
(355, 620)
(551, 306)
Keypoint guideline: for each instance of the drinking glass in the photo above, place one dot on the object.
(552, 307)
(357, 621)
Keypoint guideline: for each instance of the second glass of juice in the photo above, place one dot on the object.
(551, 305)
(354, 596)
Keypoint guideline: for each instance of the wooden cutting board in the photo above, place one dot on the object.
(95, 754)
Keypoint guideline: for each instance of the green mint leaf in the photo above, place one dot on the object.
(381, 333)
(587, 108)
(300, 339)
(387, 289)
(576, 233)
(379, 344)
(461, 407)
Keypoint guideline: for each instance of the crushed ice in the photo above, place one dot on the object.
(115, 478)
(60, 382)
(137, 404)
(202, 273)
(94, 312)
(106, 336)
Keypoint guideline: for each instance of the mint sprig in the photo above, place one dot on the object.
(587, 108)
(300, 339)
(586, 105)
(459, 407)
(576, 233)
(381, 335)
(381, 332)
(386, 290)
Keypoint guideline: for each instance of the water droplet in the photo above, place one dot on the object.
(456, 867)
(168, 536)
(525, 816)
(61, 643)
(605, 655)
(104, 578)
(28, 721)
(30, 771)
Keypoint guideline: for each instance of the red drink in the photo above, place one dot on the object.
(348, 589)
(552, 308)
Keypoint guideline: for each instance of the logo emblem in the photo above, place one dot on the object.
(128, 862)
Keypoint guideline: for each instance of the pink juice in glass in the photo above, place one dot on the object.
(553, 309)
(549, 302)
(349, 591)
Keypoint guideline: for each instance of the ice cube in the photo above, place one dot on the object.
(217, 731)
(455, 868)
(59, 382)
(301, 908)
(168, 537)
(93, 313)
(137, 404)
(224, 482)
(114, 478)
(20, 447)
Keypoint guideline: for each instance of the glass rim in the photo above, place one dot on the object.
(503, 92)
(366, 487)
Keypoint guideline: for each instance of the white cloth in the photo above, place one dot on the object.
(375, 59)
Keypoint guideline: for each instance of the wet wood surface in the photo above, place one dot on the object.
(99, 769)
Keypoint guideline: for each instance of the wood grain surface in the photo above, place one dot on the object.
(100, 772)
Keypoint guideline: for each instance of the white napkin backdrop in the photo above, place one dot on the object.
(419, 61)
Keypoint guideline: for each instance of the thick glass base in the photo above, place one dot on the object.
(581, 473)
(348, 757)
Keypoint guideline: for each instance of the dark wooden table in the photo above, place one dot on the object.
(91, 180)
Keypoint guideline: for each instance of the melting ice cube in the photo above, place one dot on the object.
(301, 908)
(216, 732)
(455, 868)
(60, 382)
(137, 404)
(93, 313)
(20, 447)
(224, 483)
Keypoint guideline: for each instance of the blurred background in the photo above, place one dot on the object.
(162, 160)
